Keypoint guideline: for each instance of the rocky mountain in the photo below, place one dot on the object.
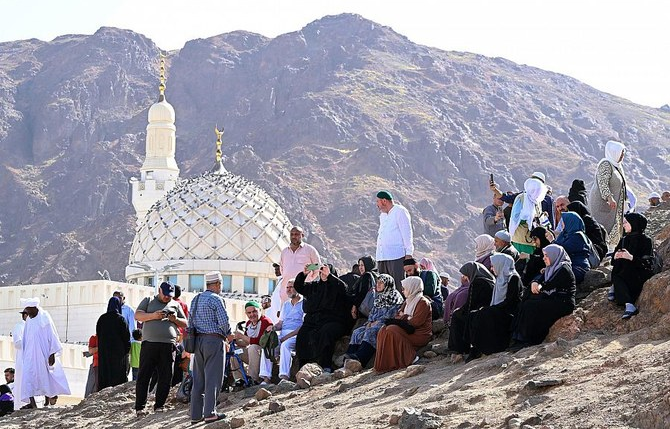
(321, 118)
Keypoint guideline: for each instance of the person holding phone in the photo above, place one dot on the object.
(493, 217)
(293, 260)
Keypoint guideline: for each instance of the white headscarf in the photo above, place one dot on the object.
(525, 204)
(30, 302)
(613, 152)
(413, 287)
(484, 245)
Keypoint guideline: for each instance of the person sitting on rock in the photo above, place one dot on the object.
(503, 243)
(485, 245)
(361, 294)
(552, 297)
(491, 327)
(573, 239)
(535, 263)
(480, 291)
(593, 230)
(327, 316)
(630, 268)
(387, 302)
(409, 330)
(431, 285)
(249, 340)
(456, 300)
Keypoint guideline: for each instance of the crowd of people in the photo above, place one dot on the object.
(521, 279)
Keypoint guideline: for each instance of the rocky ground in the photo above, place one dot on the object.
(594, 371)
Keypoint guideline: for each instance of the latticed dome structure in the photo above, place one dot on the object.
(215, 216)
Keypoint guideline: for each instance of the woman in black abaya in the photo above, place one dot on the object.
(113, 346)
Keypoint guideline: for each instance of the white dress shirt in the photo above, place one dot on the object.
(395, 237)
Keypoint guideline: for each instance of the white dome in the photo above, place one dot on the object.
(213, 216)
(161, 112)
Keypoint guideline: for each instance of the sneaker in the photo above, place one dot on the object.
(628, 314)
(215, 418)
(196, 421)
(416, 359)
(141, 413)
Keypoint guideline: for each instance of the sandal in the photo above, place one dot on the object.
(215, 418)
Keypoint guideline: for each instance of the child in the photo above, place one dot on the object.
(135, 347)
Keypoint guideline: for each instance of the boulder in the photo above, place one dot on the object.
(353, 365)
(594, 279)
(438, 326)
(262, 394)
(236, 422)
(286, 386)
(342, 373)
(276, 406)
(412, 418)
(413, 370)
(322, 379)
(306, 374)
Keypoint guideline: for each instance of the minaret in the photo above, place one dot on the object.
(159, 172)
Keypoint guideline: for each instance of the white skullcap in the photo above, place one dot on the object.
(539, 176)
(30, 302)
(213, 277)
(444, 274)
(654, 195)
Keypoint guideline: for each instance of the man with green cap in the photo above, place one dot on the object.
(249, 340)
(395, 237)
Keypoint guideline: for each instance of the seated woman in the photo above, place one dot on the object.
(363, 290)
(327, 317)
(485, 245)
(629, 269)
(491, 327)
(386, 305)
(573, 240)
(248, 341)
(594, 231)
(535, 262)
(552, 297)
(409, 330)
(479, 295)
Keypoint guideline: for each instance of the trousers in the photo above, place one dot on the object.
(208, 362)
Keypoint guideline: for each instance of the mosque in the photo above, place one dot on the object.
(184, 228)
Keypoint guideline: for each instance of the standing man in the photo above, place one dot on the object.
(127, 312)
(494, 219)
(395, 237)
(293, 261)
(42, 370)
(209, 318)
(162, 317)
(17, 339)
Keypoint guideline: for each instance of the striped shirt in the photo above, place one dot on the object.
(210, 314)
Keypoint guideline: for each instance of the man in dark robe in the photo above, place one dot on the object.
(113, 346)
(327, 317)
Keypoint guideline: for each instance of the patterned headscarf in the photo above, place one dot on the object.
(389, 296)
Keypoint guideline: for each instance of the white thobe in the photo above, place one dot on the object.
(17, 339)
(40, 340)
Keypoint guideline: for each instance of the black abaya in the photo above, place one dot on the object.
(479, 295)
(491, 327)
(113, 349)
(629, 276)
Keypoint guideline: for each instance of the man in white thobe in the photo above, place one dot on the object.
(17, 339)
(42, 370)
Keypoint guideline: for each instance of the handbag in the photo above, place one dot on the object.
(189, 341)
(594, 256)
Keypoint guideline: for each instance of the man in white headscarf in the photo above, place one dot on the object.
(42, 370)
(526, 212)
(17, 339)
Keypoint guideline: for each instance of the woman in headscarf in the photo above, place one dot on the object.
(629, 268)
(362, 293)
(578, 192)
(594, 231)
(113, 346)
(409, 330)
(479, 295)
(484, 247)
(526, 211)
(426, 264)
(327, 310)
(552, 297)
(535, 262)
(573, 240)
(607, 200)
(491, 327)
(387, 302)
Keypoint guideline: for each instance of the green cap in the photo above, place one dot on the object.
(385, 195)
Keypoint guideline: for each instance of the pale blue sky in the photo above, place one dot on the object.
(621, 47)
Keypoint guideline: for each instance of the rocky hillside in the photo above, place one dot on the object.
(321, 118)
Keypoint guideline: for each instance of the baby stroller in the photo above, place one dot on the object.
(229, 382)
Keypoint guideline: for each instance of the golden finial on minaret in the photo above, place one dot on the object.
(218, 166)
(161, 87)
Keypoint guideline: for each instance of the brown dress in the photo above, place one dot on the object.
(396, 348)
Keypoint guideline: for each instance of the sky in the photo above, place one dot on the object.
(620, 47)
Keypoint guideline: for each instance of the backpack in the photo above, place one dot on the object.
(653, 262)
(184, 391)
(594, 256)
(269, 342)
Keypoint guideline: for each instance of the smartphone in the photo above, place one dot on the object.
(491, 179)
(312, 267)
